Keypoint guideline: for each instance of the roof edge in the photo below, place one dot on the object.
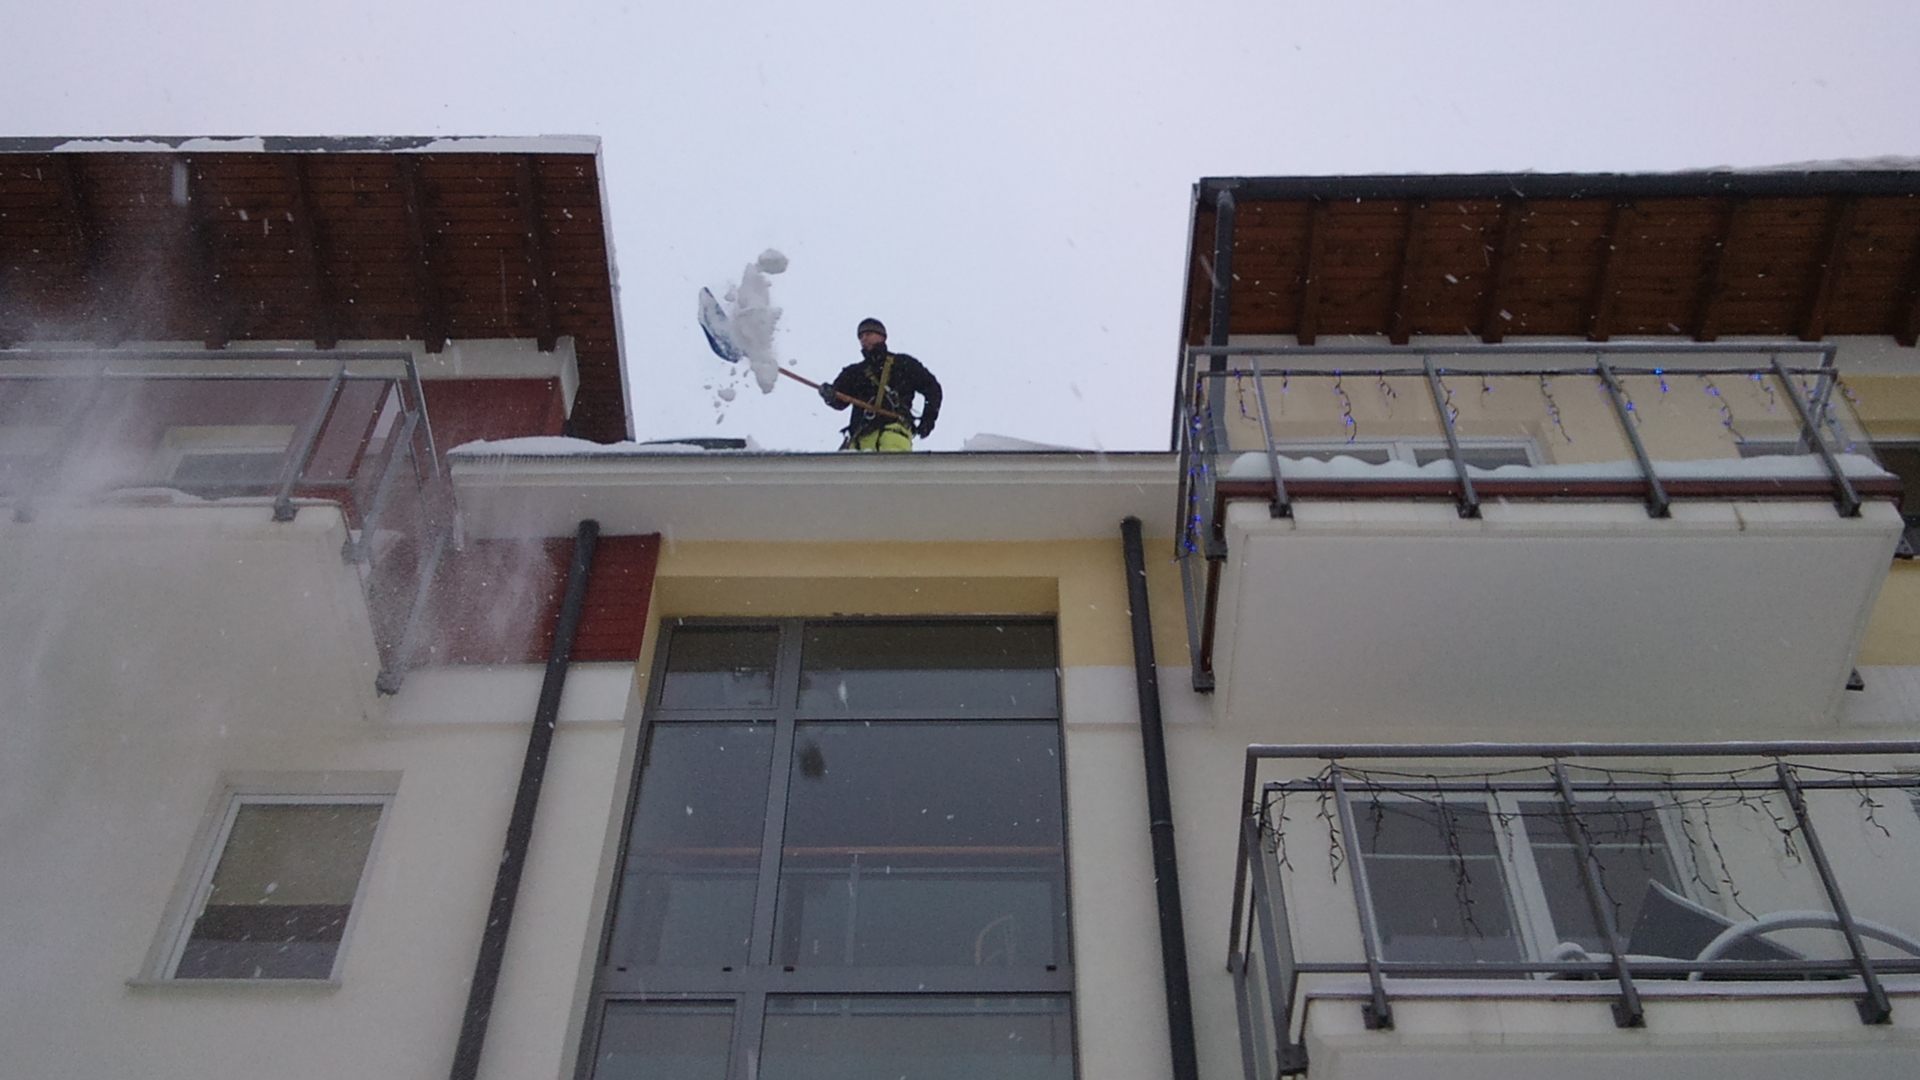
(301, 144)
(1900, 176)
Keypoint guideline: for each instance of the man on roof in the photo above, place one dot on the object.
(885, 384)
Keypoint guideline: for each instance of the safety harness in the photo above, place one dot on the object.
(879, 402)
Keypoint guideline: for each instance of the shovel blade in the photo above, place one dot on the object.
(719, 331)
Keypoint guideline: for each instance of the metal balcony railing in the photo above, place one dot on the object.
(275, 428)
(1624, 863)
(1641, 421)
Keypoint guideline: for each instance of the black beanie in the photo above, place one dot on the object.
(874, 325)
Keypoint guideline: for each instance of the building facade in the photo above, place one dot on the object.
(1510, 665)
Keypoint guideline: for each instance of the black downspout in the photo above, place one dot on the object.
(1166, 872)
(506, 885)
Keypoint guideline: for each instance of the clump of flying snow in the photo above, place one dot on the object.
(754, 318)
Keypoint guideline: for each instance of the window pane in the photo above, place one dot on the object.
(238, 468)
(1631, 848)
(281, 892)
(905, 667)
(920, 1038)
(693, 853)
(664, 1041)
(1483, 457)
(1438, 891)
(1377, 455)
(720, 668)
(928, 843)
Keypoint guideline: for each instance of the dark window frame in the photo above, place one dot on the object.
(747, 988)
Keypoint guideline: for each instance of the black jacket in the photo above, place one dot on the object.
(907, 378)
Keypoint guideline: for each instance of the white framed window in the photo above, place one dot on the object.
(224, 456)
(274, 885)
(1473, 879)
(1630, 843)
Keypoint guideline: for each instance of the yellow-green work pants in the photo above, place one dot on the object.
(893, 437)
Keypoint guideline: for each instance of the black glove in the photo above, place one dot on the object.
(924, 428)
(828, 394)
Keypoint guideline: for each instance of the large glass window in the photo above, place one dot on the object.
(693, 851)
(924, 1037)
(845, 857)
(923, 843)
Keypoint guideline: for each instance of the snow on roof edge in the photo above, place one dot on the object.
(308, 144)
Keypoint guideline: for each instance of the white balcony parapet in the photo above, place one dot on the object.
(277, 427)
(1485, 426)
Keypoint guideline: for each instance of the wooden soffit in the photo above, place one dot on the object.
(1698, 255)
(314, 239)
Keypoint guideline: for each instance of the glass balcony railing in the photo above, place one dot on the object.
(1648, 422)
(1367, 868)
(275, 428)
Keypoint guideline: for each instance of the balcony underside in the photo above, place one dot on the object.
(1551, 619)
(1450, 1032)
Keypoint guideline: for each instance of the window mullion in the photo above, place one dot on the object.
(1538, 934)
(786, 693)
(749, 1017)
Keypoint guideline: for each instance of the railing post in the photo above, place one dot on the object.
(1658, 505)
(1469, 500)
(1627, 1010)
(395, 672)
(420, 406)
(1214, 546)
(1275, 929)
(1874, 1006)
(1219, 313)
(356, 550)
(1845, 499)
(1282, 506)
(283, 508)
(1377, 1013)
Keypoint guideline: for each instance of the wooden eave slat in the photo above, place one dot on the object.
(427, 279)
(1493, 311)
(307, 246)
(204, 262)
(1906, 328)
(1412, 249)
(1714, 276)
(1307, 323)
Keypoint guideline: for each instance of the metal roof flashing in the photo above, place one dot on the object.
(817, 497)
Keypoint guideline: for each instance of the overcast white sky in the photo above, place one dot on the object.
(1006, 183)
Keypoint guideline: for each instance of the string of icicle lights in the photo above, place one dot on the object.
(1679, 825)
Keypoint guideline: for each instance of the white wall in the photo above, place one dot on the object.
(148, 651)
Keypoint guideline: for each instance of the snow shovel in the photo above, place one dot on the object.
(713, 323)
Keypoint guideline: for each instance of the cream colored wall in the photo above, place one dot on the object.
(1889, 405)
(1081, 580)
(1893, 631)
(148, 652)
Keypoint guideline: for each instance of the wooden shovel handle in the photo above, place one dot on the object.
(848, 398)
